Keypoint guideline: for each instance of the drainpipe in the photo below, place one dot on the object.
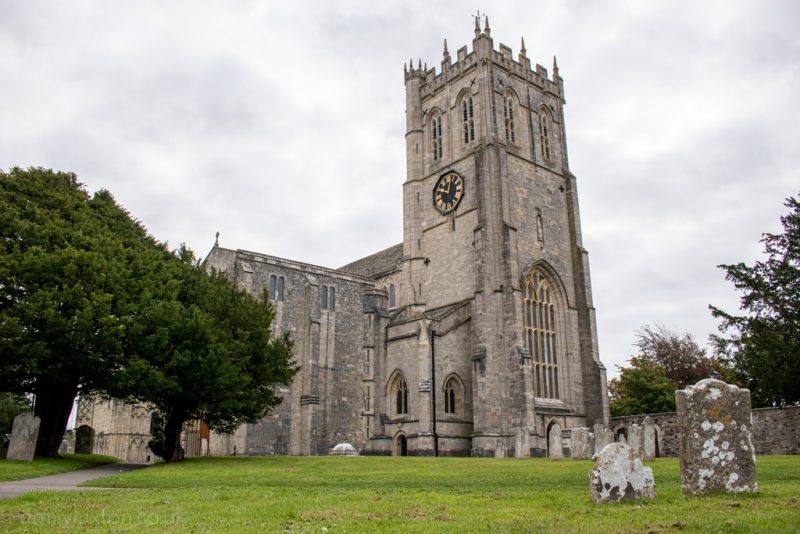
(433, 393)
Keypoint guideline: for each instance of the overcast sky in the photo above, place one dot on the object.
(281, 125)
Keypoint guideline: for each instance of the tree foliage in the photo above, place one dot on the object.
(69, 281)
(683, 360)
(764, 343)
(11, 405)
(206, 353)
(642, 387)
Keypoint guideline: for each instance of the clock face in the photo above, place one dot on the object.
(448, 191)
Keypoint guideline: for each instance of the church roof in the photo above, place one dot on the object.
(376, 264)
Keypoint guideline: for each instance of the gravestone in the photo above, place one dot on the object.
(648, 440)
(555, 446)
(716, 446)
(620, 476)
(84, 439)
(582, 445)
(602, 437)
(344, 449)
(522, 447)
(24, 432)
(622, 439)
(635, 438)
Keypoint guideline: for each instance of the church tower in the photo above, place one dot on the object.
(494, 273)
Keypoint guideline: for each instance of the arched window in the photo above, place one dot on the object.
(508, 114)
(392, 299)
(544, 133)
(331, 299)
(451, 394)
(323, 297)
(279, 291)
(272, 284)
(541, 334)
(399, 394)
(436, 136)
(468, 120)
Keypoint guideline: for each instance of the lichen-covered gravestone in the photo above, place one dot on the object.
(344, 449)
(716, 446)
(554, 444)
(582, 446)
(620, 476)
(24, 432)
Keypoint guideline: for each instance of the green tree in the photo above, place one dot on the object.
(642, 387)
(764, 344)
(683, 360)
(71, 273)
(207, 353)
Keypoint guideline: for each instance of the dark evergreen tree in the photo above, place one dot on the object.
(764, 343)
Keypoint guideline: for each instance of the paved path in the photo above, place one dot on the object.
(64, 481)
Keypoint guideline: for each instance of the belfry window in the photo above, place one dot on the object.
(544, 134)
(331, 299)
(323, 297)
(392, 297)
(436, 137)
(541, 334)
(400, 394)
(468, 120)
(272, 284)
(279, 290)
(508, 114)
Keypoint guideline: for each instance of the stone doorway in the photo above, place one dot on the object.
(401, 447)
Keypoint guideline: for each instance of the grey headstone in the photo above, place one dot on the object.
(522, 448)
(622, 439)
(554, 443)
(84, 439)
(24, 432)
(602, 437)
(635, 438)
(648, 440)
(582, 446)
(716, 446)
(620, 476)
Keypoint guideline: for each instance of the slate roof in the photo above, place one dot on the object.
(376, 264)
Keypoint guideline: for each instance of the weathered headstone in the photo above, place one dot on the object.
(582, 446)
(24, 432)
(84, 439)
(344, 449)
(622, 439)
(522, 447)
(716, 446)
(648, 440)
(555, 446)
(602, 437)
(620, 476)
(635, 438)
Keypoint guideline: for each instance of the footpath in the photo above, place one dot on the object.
(64, 481)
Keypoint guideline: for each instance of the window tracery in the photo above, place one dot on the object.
(541, 331)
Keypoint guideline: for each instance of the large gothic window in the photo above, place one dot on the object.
(468, 120)
(436, 137)
(508, 115)
(541, 334)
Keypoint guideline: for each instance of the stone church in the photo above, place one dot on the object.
(476, 333)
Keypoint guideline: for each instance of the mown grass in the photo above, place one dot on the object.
(39, 467)
(399, 494)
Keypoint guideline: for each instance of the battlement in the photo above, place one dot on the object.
(482, 50)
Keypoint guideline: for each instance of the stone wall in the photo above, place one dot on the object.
(775, 430)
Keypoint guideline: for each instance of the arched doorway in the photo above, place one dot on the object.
(401, 448)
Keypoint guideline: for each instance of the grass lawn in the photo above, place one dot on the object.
(39, 467)
(335, 494)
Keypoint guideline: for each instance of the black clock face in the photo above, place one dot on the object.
(448, 191)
